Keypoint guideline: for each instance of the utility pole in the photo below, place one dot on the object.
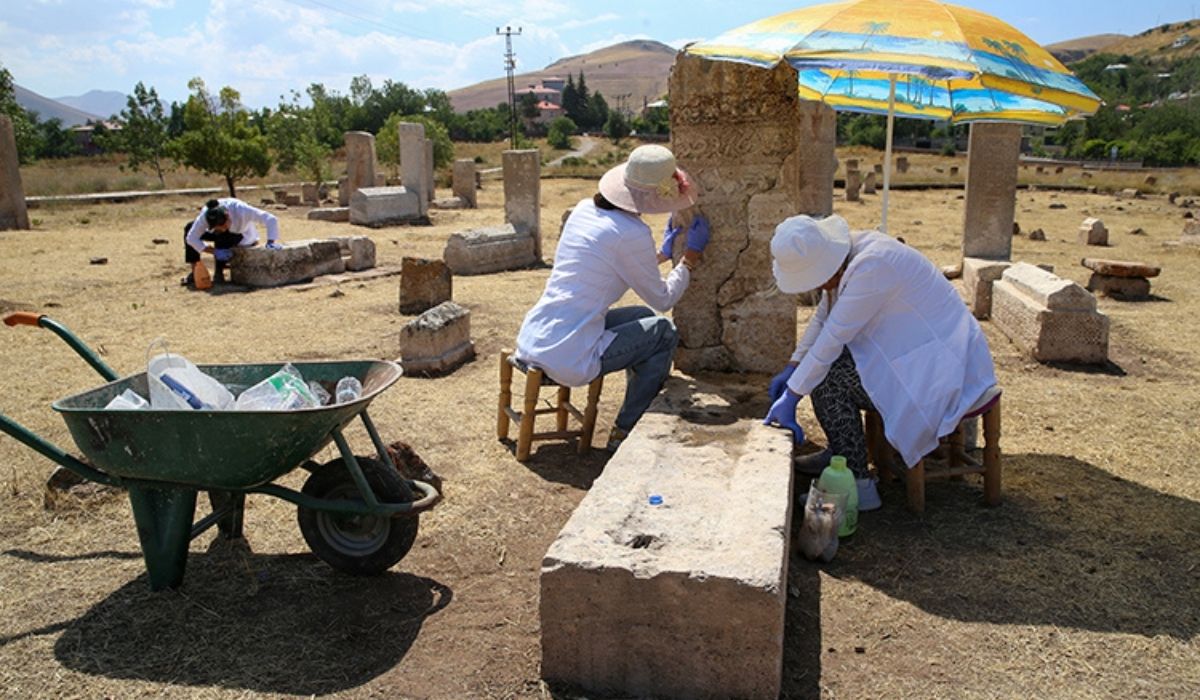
(510, 64)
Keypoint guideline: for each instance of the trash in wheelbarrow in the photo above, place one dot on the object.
(176, 383)
(285, 390)
(128, 400)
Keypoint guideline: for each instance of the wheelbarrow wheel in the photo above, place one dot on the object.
(363, 545)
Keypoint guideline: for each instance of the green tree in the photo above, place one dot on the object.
(24, 123)
(295, 145)
(616, 127)
(56, 141)
(597, 111)
(219, 138)
(527, 107)
(143, 134)
(387, 141)
(560, 133)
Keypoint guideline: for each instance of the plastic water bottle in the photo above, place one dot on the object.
(348, 389)
(837, 478)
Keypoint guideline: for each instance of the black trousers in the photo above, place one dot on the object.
(838, 402)
(220, 241)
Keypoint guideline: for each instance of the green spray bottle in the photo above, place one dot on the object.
(837, 478)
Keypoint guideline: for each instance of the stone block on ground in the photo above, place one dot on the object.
(13, 211)
(1191, 233)
(361, 163)
(902, 164)
(331, 214)
(523, 193)
(1120, 268)
(449, 203)
(344, 192)
(687, 598)
(1052, 319)
(978, 277)
(260, 267)
(1119, 287)
(412, 161)
(309, 193)
(358, 252)
(1130, 193)
(853, 185)
(424, 284)
(292, 200)
(991, 190)
(385, 206)
(437, 341)
(492, 249)
(327, 257)
(869, 183)
(1093, 232)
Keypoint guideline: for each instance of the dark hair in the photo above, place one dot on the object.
(215, 214)
(602, 202)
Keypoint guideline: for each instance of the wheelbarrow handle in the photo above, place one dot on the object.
(28, 318)
(23, 318)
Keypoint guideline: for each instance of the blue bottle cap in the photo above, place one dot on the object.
(655, 500)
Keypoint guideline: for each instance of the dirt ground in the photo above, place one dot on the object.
(1085, 583)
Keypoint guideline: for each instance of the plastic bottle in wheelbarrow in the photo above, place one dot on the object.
(348, 389)
(285, 390)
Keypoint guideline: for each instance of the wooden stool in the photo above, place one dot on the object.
(535, 379)
(956, 464)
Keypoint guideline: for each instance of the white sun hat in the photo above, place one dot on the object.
(808, 252)
(648, 183)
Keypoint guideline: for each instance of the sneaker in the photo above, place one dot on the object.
(615, 437)
(868, 495)
(189, 281)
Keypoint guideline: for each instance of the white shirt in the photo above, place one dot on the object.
(922, 357)
(242, 218)
(601, 255)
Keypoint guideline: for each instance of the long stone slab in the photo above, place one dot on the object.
(1120, 268)
(686, 598)
(376, 207)
(492, 249)
(1048, 289)
(1048, 334)
(260, 267)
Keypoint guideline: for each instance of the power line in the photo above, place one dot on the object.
(510, 65)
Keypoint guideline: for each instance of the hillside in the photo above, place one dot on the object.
(1079, 49)
(103, 102)
(1159, 43)
(632, 71)
(48, 109)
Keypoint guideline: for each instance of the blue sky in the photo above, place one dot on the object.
(265, 48)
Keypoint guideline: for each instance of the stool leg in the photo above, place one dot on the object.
(914, 483)
(878, 447)
(533, 384)
(955, 446)
(506, 372)
(991, 456)
(589, 414)
(564, 398)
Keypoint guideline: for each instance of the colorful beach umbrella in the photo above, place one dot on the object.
(913, 58)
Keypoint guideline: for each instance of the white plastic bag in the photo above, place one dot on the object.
(285, 390)
(176, 383)
(128, 400)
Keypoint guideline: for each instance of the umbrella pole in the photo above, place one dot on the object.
(887, 156)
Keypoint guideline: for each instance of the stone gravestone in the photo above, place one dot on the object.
(869, 183)
(412, 162)
(879, 169)
(430, 185)
(523, 194)
(991, 196)
(1052, 319)
(1093, 232)
(423, 284)
(1120, 279)
(437, 341)
(491, 249)
(1191, 234)
(902, 164)
(853, 185)
(360, 162)
(13, 213)
(309, 194)
(464, 182)
(343, 191)
(759, 155)
(386, 206)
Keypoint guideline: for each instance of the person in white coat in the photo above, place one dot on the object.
(605, 250)
(222, 225)
(889, 333)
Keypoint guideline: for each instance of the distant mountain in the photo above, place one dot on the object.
(48, 109)
(626, 74)
(1175, 41)
(106, 103)
(1079, 49)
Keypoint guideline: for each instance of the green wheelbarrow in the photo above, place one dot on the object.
(357, 514)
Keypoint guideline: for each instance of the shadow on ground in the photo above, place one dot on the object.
(1072, 546)
(272, 624)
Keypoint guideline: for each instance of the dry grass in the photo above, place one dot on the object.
(1083, 584)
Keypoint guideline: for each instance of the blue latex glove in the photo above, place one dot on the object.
(669, 234)
(697, 235)
(783, 414)
(779, 383)
(274, 245)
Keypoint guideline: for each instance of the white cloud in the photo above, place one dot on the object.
(614, 39)
(598, 19)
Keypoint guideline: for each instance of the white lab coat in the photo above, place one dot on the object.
(922, 357)
(601, 255)
(242, 219)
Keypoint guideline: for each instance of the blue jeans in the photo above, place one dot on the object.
(643, 347)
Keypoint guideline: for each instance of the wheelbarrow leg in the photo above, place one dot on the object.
(164, 523)
(234, 502)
